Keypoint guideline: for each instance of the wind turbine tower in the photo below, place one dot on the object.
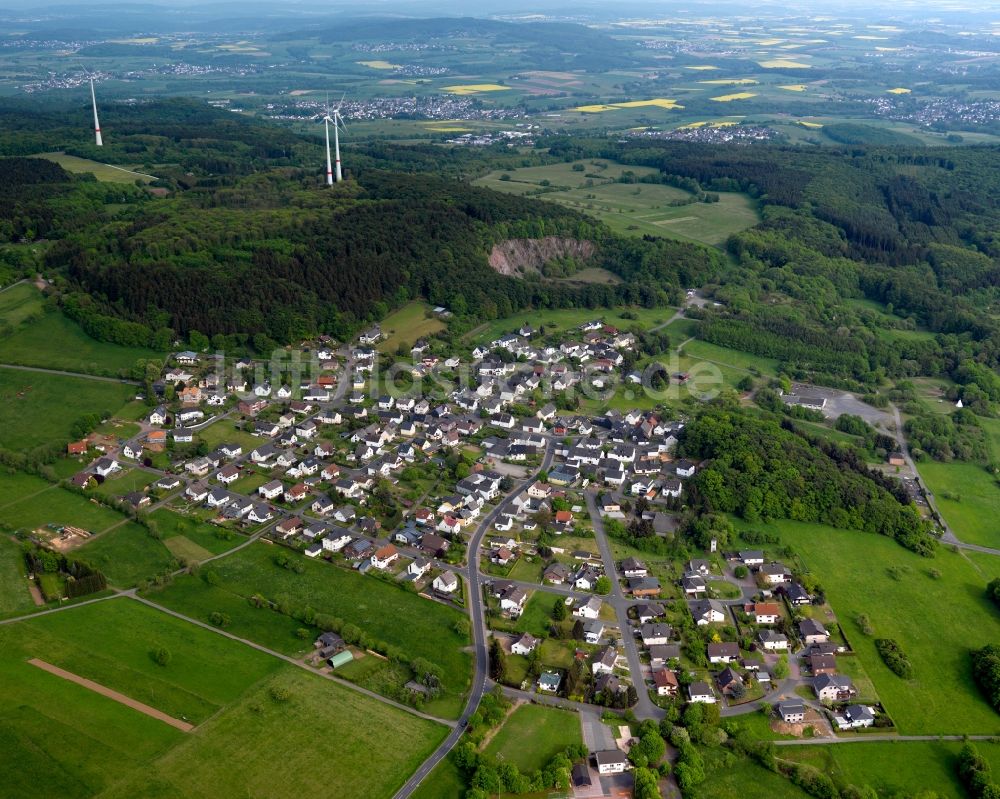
(333, 171)
(97, 124)
(337, 123)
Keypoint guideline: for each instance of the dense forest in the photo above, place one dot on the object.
(761, 470)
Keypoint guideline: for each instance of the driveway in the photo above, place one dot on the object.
(596, 734)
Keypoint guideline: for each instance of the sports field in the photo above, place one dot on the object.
(254, 715)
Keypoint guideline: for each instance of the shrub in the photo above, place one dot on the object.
(894, 657)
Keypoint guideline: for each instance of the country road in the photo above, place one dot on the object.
(64, 373)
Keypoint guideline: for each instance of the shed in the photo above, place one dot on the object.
(341, 658)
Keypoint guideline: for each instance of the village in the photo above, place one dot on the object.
(491, 497)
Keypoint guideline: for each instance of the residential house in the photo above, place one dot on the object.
(336, 540)
(855, 717)
(593, 630)
(822, 664)
(524, 645)
(418, 567)
(701, 692)
(772, 641)
(631, 567)
(604, 661)
(648, 611)
(271, 490)
(791, 711)
(708, 611)
(446, 583)
(549, 682)
(729, 681)
(665, 682)
(766, 613)
(775, 573)
(812, 632)
(833, 687)
(589, 609)
(661, 655)
(385, 557)
(655, 634)
(611, 761)
(643, 586)
(724, 652)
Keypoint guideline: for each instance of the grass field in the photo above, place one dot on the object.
(132, 480)
(406, 325)
(105, 172)
(55, 342)
(58, 507)
(967, 496)
(224, 432)
(415, 626)
(936, 621)
(444, 780)
(743, 779)
(34, 410)
(930, 765)
(14, 596)
(207, 537)
(19, 302)
(734, 359)
(533, 735)
(127, 555)
(60, 739)
(635, 209)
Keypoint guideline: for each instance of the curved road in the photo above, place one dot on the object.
(479, 632)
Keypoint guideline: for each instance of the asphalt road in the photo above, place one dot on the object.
(644, 708)
(479, 635)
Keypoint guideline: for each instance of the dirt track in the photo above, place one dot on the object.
(100, 689)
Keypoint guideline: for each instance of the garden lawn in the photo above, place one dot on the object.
(975, 503)
(414, 626)
(533, 734)
(35, 408)
(127, 555)
(56, 342)
(935, 620)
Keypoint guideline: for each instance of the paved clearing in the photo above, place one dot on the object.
(121, 698)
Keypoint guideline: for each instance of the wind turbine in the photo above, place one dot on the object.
(93, 100)
(333, 167)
